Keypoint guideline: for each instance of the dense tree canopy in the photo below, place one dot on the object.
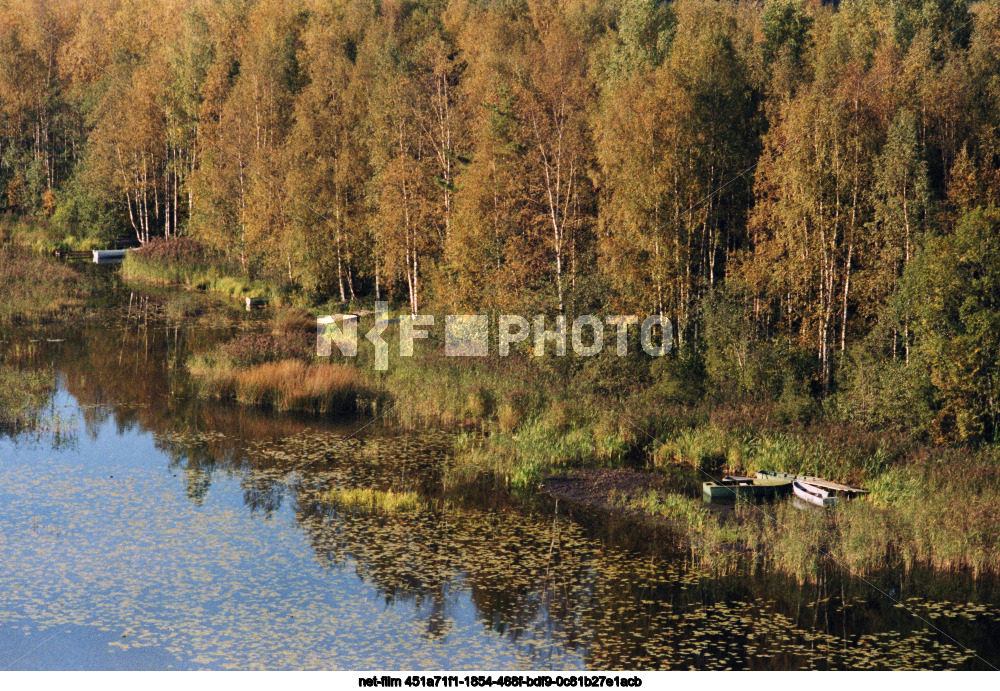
(783, 168)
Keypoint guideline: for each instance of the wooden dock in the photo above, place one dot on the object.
(72, 254)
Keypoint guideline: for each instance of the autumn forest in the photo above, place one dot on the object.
(806, 189)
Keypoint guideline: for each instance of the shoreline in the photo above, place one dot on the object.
(526, 426)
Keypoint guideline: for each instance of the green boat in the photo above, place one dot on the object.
(746, 488)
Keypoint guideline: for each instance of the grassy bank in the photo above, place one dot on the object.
(36, 287)
(184, 262)
(41, 235)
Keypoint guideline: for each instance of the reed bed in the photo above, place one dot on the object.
(521, 422)
(864, 539)
(834, 451)
(933, 522)
(290, 385)
(529, 422)
(681, 510)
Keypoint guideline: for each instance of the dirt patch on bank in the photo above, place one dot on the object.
(608, 490)
(596, 487)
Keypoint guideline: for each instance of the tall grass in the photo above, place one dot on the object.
(34, 287)
(290, 385)
(838, 452)
(685, 511)
(43, 236)
(866, 539)
(921, 514)
(523, 421)
(530, 421)
(714, 542)
(277, 370)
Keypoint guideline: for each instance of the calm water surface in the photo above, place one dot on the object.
(142, 528)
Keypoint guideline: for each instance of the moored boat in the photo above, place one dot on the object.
(834, 488)
(812, 494)
(746, 488)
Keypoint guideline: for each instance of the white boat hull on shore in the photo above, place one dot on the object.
(812, 494)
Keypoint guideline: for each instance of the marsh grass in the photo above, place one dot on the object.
(836, 451)
(945, 509)
(933, 521)
(289, 385)
(278, 370)
(252, 349)
(928, 506)
(669, 505)
(42, 236)
(376, 501)
(295, 322)
(519, 422)
(946, 526)
(530, 422)
(35, 287)
(715, 543)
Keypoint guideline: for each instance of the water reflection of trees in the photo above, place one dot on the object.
(523, 575)
(529, 580)
(27, 386)
(131, 375)
(602, 589)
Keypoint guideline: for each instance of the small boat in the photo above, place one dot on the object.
(835, 488)
(812, 494)
(730, 488)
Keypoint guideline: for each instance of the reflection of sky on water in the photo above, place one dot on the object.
(166, 530)
(103, 539)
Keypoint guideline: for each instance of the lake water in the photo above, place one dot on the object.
(144, 528)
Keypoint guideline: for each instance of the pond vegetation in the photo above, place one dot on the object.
(520, 421)
(187, 263)
(545, 593)
(34, 287)
(424, 501)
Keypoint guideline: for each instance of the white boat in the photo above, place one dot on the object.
(813, 494)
